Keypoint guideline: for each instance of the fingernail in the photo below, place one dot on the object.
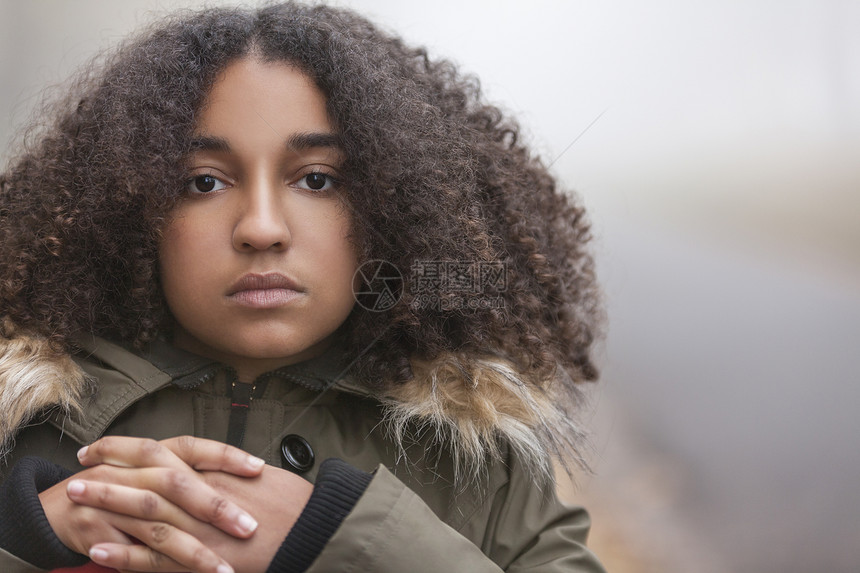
(255, 462)
(97, 554)
(224, 568)
(247, 523)
(82, 452)
(76, 487)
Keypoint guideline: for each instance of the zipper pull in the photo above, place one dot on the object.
(241, 395)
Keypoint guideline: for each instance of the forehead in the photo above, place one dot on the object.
(263, 99)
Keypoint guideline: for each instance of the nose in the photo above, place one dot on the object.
(262, 223)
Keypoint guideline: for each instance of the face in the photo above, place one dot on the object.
(255, 262)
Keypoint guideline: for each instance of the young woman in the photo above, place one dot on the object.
(285, 231)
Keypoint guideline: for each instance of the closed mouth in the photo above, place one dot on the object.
(263, 291)
(263, 282)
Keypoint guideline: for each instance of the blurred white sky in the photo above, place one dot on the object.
(744, 110)
(673, 74)
(724, 183)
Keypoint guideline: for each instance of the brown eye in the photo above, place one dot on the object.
(205, 184)
(316, 181)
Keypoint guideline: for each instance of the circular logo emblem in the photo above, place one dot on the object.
(380, 285)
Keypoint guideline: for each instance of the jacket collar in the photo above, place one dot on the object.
(160, 365)
(479, 405)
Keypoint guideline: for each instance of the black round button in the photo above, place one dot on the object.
(296, 454)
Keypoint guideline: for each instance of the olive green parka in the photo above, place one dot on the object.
(430, 506)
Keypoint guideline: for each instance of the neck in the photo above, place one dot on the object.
(248, 368)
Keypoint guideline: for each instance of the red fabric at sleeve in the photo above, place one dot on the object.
(88, 568)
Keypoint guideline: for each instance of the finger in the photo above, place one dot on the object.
(76, 526)
(128, 501)
(165, 548)
(128, 452)
(185, 489)
(104, 532)
(132, 558)
(188, 490)
(198, 453)
(165, 473)
(95, 529)
(202, 454)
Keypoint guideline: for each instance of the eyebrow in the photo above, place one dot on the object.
(296, 142)
(301, 141)
(209, 143)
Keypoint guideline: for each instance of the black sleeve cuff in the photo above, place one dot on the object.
(24, 529)
(336, 491)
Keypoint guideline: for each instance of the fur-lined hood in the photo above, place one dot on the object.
(471, 404)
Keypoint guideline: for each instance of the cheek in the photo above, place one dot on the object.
(187, 239)
(339, 272)
(342, 267)
(167, 253)
(330, 234)
(169, 265)
(179, 260)
(351, 265)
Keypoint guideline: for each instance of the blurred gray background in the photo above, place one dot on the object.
(717, 146)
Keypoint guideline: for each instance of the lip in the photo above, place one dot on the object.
(267, 290)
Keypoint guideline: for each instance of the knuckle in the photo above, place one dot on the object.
(103, 495)
(102, 446)
(148, 505)
(217, 508)
(125, 559)
(149, 448)
(84, 526)
(176, 481)
(159, 533)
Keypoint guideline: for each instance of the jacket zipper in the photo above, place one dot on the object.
(241, 395)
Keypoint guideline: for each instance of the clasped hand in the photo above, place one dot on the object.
(182, 504)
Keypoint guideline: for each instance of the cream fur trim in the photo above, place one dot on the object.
(33, 378)
(473, 406)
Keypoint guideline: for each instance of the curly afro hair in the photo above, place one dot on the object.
(437, 177)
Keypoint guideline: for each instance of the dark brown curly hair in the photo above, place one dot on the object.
(436, 176)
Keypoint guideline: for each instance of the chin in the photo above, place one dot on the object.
(278, 349)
